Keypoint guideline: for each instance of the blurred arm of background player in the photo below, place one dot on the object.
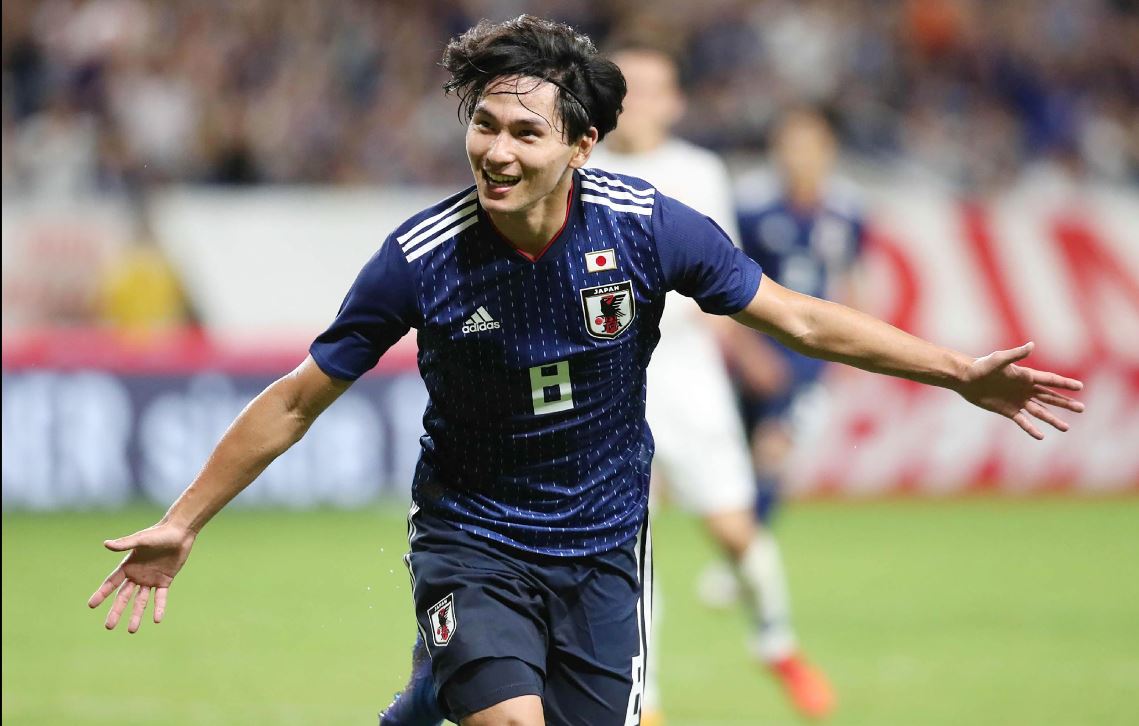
(272, 422)
(756, 367)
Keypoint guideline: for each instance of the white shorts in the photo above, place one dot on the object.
(702, 455)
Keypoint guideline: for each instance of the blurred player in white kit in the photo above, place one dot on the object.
(702, 453)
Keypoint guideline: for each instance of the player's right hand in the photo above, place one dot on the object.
(155, 555)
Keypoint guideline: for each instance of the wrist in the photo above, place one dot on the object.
(957, 370)
(181, 520)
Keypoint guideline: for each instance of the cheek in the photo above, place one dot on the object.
(474, 148)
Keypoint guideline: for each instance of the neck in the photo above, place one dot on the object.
(530, 230)
(804, 197)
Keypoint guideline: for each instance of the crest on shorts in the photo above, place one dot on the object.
(443, 620)
(608, 309)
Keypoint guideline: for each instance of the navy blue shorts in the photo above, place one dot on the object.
(501, 623)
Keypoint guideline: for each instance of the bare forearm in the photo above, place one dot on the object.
(264, 430)
(830, 331)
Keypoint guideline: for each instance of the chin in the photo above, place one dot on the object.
(502, 206)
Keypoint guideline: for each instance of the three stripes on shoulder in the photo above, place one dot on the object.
(434, 231)
(616, 194)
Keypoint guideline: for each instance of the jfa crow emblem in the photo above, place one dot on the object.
(609, 309)
(443, 620)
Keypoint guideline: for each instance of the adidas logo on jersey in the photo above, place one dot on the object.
(480, 321)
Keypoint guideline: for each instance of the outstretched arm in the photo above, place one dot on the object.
(275, 420)
(834, 332)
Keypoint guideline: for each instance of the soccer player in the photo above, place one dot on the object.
(536, 294)
(701, 451)
(806, 232)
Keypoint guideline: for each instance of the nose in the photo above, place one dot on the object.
(501, 151)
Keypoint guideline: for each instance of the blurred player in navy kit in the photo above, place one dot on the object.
(702, 455)
(536, 295)
(807, 239)
(806, 231)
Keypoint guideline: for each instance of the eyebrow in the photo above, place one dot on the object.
(534, 120)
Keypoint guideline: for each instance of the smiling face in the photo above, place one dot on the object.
(521, 160)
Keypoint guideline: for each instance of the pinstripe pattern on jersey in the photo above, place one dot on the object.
(569, 482)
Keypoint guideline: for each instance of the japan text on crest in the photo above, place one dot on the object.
(609, 309)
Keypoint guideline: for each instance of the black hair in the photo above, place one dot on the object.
(820, 114)
(590, 87)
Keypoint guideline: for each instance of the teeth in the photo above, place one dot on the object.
(501, 179)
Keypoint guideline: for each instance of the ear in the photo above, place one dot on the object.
(584, 148)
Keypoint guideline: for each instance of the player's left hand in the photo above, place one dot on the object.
(996, 384)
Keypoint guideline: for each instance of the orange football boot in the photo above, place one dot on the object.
(805, 685)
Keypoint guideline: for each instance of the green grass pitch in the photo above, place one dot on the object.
(987, 611)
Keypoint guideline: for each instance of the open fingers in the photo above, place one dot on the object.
(159, 603)
(127, 589)
(139, 610)
(1024, 421)
(113, 580)
(1052, 398)
(1042, 413)
(1053, 380)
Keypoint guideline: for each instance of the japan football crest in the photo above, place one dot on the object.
(608, 309)
(443, 620)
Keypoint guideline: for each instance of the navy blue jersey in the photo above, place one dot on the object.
(535, 427)
(803, 251)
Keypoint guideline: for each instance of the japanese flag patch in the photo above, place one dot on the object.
(441, 615)
(600, 260)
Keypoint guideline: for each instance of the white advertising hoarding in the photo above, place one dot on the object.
(1044, 262)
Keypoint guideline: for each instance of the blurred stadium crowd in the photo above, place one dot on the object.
(106, 95)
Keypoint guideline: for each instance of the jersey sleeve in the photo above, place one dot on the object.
(700, 261)
(378, 310)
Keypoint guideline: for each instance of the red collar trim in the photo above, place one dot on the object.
(538, 256)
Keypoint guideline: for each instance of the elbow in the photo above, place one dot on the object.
(798, 341)
(787, 316)
(801, 340)
(804, 325)
(299, 424)
(798, 331)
